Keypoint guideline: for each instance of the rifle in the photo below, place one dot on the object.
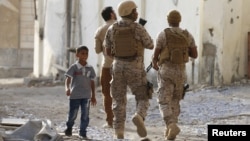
(142, 21)
(149, 67)
(149, 84)
(185, 87)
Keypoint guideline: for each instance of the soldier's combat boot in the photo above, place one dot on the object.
(145, 139)
(139, 123)
(119, 134)
(166, 132)
(174, 130)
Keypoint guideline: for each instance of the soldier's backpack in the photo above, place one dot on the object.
(124, 41)
(176, 50)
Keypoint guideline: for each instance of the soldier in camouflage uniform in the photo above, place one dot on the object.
(171, 73)
(128, 69)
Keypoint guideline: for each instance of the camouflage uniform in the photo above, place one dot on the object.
(129, 72)
(171, 78)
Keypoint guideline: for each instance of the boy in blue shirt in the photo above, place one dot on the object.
(80, 87)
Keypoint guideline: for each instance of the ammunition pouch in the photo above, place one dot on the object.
(164, 55)
(185, 88)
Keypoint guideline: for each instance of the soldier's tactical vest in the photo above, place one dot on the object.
(176, 50)
(125, 44)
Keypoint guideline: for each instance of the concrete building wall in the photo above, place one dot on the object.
(27, 16)
(54, 41)
(9, 29)
(223, 56)
(219, 27)
(16, 20)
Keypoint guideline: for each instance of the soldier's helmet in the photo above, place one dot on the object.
(174, 17)
(125, 8)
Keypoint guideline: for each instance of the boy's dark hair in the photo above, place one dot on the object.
(106, 13)
(80, 48)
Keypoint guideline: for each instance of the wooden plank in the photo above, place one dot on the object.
(13, 121)
(8, 127)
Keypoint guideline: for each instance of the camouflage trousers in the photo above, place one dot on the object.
(128, 74)
(169, 93)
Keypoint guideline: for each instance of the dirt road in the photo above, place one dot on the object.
(50, 102)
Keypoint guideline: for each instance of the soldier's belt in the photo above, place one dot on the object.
(126, 58)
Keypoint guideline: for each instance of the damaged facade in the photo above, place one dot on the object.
(220, 29)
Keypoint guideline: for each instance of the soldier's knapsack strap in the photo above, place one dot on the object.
(184, 34)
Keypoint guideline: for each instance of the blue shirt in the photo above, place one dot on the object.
(81, 77)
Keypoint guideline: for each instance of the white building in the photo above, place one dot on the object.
(220, 29)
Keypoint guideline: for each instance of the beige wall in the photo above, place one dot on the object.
(224, 38)
(9, 21)
(16, 38)
(219, 28)
(27, 15)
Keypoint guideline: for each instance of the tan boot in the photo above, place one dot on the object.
(106, 125)
(119, 134)
(174, 130)
(139, 123)
(166, 132)
(145, 139)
